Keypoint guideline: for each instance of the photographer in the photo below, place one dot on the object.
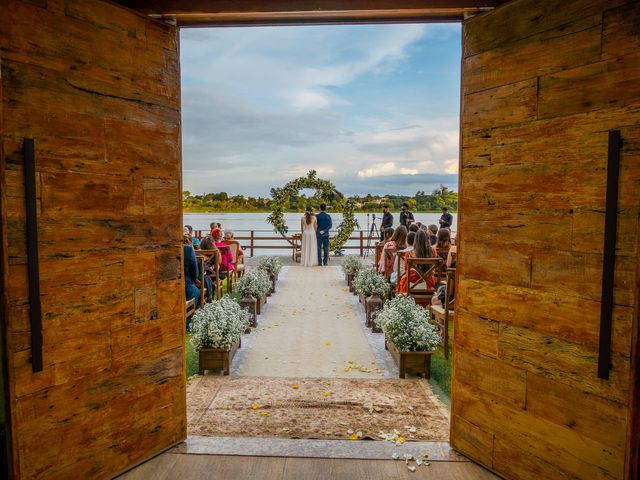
(406, 217)
(387, 221)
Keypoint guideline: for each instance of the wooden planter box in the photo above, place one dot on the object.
(216, 360)
(372, 304)
(410, 362)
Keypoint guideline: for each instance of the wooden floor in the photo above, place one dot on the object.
(187, 467)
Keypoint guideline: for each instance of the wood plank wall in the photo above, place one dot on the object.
(543, 83)
(97, 86)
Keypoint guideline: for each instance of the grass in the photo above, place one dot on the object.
(441, 371)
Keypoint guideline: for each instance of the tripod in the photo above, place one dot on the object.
(372, 231)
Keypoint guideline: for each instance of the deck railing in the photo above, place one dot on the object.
(252, 240)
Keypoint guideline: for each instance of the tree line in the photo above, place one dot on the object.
(224, 202)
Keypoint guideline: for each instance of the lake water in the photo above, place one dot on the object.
(243, 223)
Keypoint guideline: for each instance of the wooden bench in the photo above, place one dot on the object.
(441, 314)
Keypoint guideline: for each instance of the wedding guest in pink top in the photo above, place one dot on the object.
(226, 257)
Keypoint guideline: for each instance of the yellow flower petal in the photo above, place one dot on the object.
(279, 403)
(255, 406)
(328, 344)
(325, 394)
(295, 386)
(353, 436)
(264, 414)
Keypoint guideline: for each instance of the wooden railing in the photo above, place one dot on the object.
(252, 240)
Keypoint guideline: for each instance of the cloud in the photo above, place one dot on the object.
(264, 105)
(296, 66)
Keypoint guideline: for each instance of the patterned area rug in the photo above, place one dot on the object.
(315, 408)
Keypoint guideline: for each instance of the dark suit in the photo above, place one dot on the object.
(324, 225)
(387, 222)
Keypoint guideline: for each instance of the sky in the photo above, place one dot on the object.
(372, 108)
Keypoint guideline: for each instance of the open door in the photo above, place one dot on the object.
(545, 87)
(96, 87)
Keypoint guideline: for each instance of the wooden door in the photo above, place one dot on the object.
(543, 84)
(97, 88)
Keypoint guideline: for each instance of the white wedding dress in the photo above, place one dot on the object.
(309, 250)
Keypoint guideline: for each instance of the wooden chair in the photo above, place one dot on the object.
(190, 308)
(228, 274)
(201, 268)
(441, 314)
(378, 254)
(389, 258)
(425, 285)
(238, 266)
(212, 260)
(296, 247)
(442, 254)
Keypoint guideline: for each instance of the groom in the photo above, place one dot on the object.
(324, 226)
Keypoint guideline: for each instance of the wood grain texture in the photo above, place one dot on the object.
(186, 467)
(533, 183)
(192, 13)
(98, 87)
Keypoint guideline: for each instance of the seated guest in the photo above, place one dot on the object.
(209, 261)
(399, 262)
(414, 227)
(194, 240)
(388, 233)
(443, 243)
(421, 249)
(398, 241)
(433, 234)
(229, 237)
(191, 273)
(226, 259)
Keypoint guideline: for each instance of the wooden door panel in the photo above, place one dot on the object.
(541, 90)
(97, 87)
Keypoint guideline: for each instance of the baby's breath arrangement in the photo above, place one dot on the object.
(255, 283)
(271, 265)
(407, 325)
(351, 264)
(219, 324)
(369, 282)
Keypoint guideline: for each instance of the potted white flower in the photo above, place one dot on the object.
(271, 265)
(255, 283)
(372, 288)
(409, 335)
(351, 265)
(215, 333)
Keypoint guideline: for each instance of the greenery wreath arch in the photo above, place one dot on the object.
(326, 188)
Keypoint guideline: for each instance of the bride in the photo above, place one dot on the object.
(309, 251)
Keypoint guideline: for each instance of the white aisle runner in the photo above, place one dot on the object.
(310, 329)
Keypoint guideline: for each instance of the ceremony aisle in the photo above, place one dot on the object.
(310, 329)
(310, 371)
